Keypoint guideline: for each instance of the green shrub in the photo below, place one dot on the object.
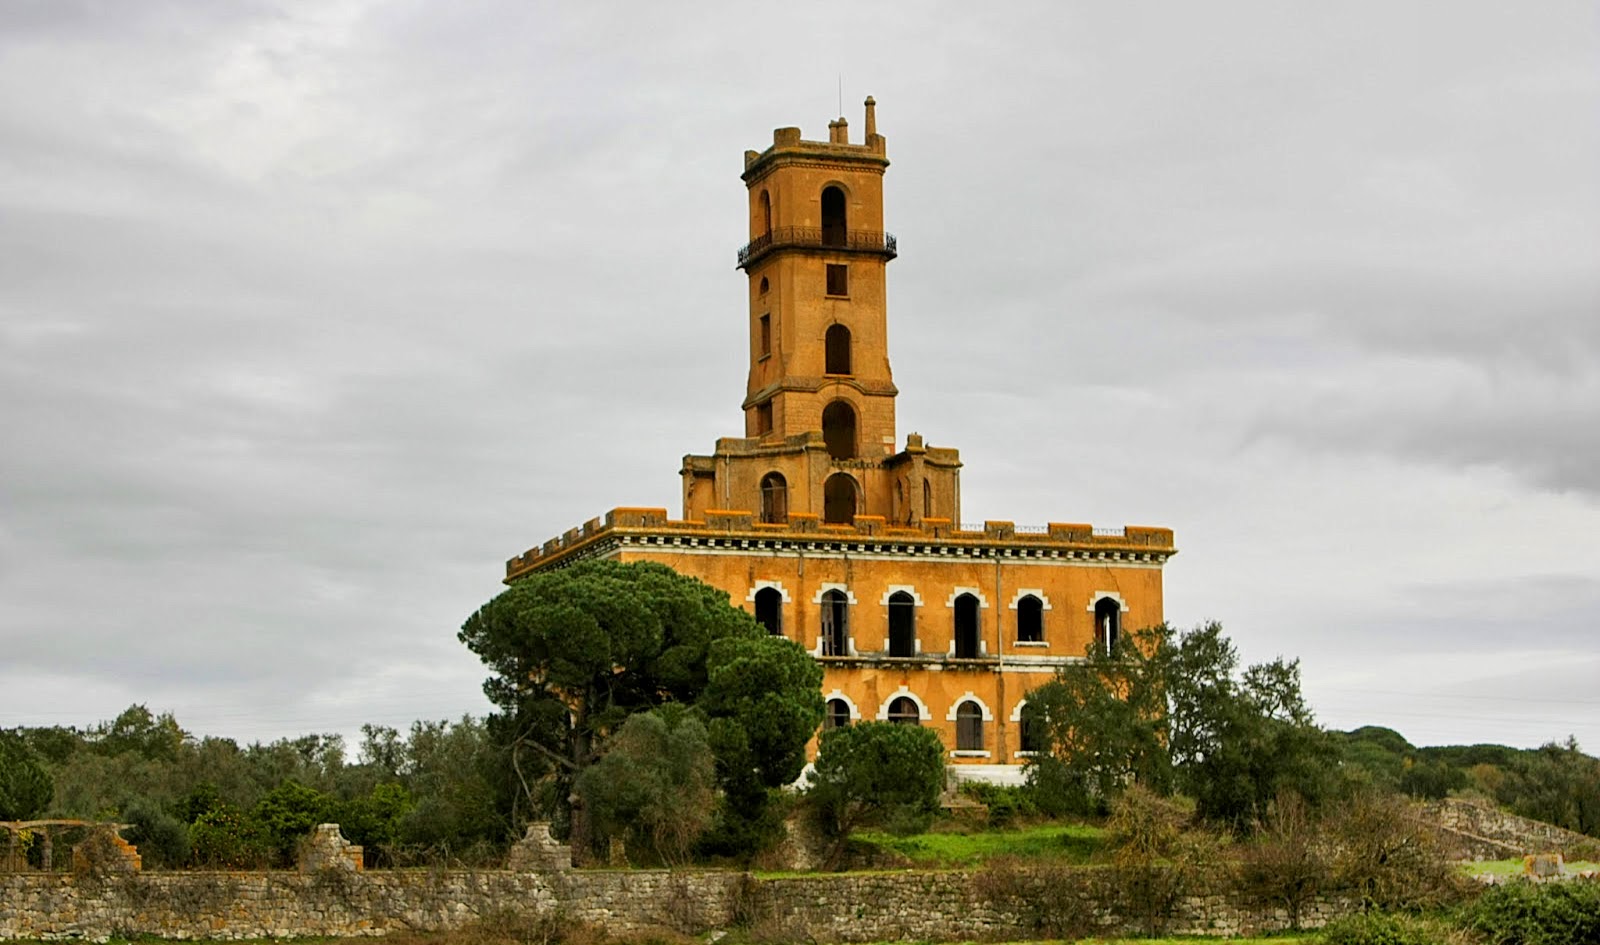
(1384, 928)
(1522, 913)
(1006, 803)
(162, 839)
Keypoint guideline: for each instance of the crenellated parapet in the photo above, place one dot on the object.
(738, 529)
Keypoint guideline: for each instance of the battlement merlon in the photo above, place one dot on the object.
(787, 144)
(1072, 541)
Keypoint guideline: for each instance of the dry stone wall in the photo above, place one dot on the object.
(858, 907)
(1474, 830)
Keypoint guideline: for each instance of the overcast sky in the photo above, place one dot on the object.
(312, 314)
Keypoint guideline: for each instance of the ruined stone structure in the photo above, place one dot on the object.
(834, 533)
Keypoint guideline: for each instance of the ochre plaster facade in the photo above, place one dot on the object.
(819, 524)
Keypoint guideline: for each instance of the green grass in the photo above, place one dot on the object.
(1073, 843)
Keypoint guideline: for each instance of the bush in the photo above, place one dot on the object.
(1007, 803)
(1523, 913)
(162, 839)
(1383, 928)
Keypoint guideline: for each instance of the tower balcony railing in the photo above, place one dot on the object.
(816, 237)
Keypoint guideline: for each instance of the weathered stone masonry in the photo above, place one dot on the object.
(927, 906)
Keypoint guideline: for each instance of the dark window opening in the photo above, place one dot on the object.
(1107, 623)
(927, 499)
(838, 350)
(766, 213)
(833, 217)
(1032, 735)
(839, 429)
(1030, 620)
(764, 418)
(835, 624)
(902, 624)
(766, 334)
(838, 279)
(774, 497)
(966, 627)
(838, 714)
(969, 727)
(763, 285)
(903, 711)
(839, 499)
(769, 610)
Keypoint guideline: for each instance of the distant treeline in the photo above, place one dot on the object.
(435, 793)
(442, 792)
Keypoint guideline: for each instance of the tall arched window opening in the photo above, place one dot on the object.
(837, 714)
(838, 350)
(927, 499)
(774, 499)
(839, 429)
(833, 217)
(835, 623)
(969, 727)
(839, 499)
(1030, 619)
(966, 627)
(903, 711)
(766, 213)
(902, 624)
(769, 610)
(1107, 623)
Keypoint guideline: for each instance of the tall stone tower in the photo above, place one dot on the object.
(852, 547)
(819, 435)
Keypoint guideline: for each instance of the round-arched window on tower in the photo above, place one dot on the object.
(774, 499)
(839, 499)
(903, 711)
(838, 714)
(837, 345)
(766, 213)
(839, 429)
(833, 217)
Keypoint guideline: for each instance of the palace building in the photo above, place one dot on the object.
(838, 537)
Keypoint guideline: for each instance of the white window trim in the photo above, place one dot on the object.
(969, 753)
(1097, 596)
(1038, 643)
(849, 595)
(968, 697)
(1030, 592)
(894, 589)
(762, 585)
(983, 602)
(1016, 713)
(922, 707)
(855, 713)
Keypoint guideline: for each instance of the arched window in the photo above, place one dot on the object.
(763, 289)
(839, 499)
(774, 499)
(835, 623)
(902, 624)
(903, 711)
(969, 727)
(839, 429)
(833, 219)
(766, 213)
(1030, 619)
(1107, 623)
(769, 610)
(838, 354)
(927, 499)
(966, 627)
(837, 714)
(1032, 728)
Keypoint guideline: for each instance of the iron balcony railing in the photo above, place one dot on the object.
(816, 237)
